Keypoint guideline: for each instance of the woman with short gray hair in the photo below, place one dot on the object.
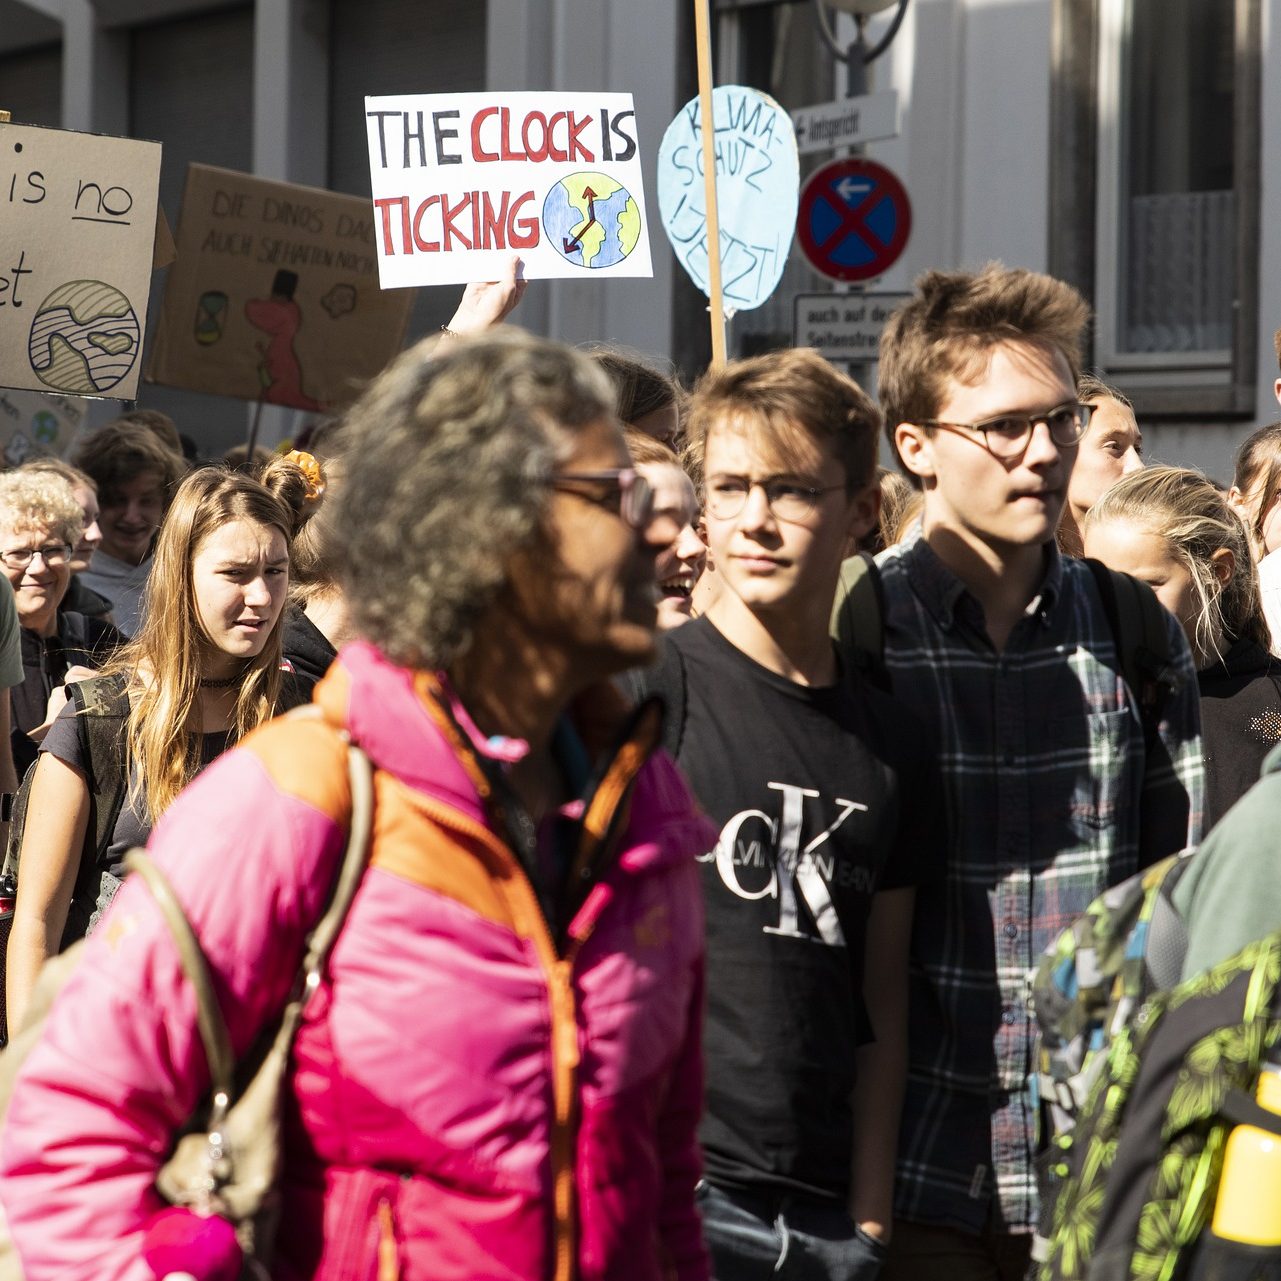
(41, 524)
(500, 1072)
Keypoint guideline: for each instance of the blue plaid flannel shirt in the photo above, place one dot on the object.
(1050, 798)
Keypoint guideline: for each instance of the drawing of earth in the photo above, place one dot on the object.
(591, 220)
(85, 338)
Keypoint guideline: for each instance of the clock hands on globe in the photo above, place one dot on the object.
(577, 241)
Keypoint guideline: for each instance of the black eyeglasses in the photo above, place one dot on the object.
(787, 499)
(53, 555)
(1007, 435)
(628, 493)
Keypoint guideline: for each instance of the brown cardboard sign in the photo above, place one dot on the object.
(274, 295)
(34, 425)
(77, 235)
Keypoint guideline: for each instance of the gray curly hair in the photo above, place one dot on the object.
(447, 457)
(33, 502)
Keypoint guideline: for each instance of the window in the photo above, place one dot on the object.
(1155, 162)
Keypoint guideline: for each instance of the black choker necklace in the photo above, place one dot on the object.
(225, 683)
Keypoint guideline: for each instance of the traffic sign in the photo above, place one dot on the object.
(848, 123)
(843, 327)
(854, 219)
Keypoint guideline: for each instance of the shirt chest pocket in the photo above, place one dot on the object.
(1096, 752)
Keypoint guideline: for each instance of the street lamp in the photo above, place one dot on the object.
(858, 55)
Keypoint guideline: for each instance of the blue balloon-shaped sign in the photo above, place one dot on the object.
(757, 184)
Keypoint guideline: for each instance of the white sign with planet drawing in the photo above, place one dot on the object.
(77, 235)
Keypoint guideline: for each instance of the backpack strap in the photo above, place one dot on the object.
(1239, 1108)
(102, 707)
(320, 940)
(858, 618)
(1139, 625)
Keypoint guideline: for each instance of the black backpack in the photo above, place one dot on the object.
(1137, 620)
(102, 708)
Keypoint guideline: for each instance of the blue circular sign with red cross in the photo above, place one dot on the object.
(854, 219)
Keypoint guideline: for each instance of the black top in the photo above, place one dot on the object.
(80, 599)
(133, 825)
(307, 653)
(823, 797)
(1240, 723)
(79, 641)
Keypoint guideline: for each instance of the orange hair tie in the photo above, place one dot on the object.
(310, 467)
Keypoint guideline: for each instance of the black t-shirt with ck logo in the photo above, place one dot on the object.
(823, 796)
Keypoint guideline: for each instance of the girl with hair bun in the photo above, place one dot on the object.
(204, 670)
(1172, 529)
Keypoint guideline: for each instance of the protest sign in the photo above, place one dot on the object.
(462, 181)
(274, 295)
(77, 235)
(32, 424)
(757, 185)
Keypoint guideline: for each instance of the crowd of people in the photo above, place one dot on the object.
(704, 886)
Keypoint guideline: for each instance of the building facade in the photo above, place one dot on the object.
(1130, 146)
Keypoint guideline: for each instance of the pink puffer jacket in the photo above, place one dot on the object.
(470, 1100)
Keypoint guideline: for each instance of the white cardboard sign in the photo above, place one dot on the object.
(462, 181)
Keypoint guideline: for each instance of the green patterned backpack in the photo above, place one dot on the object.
(1126, 947)
(1140, 1169)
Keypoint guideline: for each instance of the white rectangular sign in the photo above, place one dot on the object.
(462, 181)
(844, 327)
(828, 125)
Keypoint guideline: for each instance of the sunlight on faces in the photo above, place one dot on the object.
(1109, 450)
(92, 537)
(1011, 503)
(1123, 545)
(37, 590)
(1268, 536)
(239, 578)
(684, 553)
(587, 588)
(129, 515)
(767, 563)
(663, 424)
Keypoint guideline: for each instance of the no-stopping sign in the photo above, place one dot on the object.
(854, 219)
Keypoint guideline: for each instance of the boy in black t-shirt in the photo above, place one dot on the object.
(825, 804)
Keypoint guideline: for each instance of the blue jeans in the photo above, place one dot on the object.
(753, 1237)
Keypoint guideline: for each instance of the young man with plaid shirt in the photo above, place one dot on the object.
(1052, 791)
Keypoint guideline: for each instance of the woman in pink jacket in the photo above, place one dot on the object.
(500, 1077)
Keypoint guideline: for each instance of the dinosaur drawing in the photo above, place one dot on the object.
(280, 318)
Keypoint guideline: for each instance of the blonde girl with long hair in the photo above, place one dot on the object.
(203, 671)
(1171, 528)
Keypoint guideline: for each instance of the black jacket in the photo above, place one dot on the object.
(307, 653)
(1240, 723)
(87, 642)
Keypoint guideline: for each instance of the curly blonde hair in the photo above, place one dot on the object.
(32, 501)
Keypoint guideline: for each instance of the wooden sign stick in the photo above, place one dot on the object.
(707, 123)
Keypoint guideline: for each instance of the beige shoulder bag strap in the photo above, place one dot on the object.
(229, 1166)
